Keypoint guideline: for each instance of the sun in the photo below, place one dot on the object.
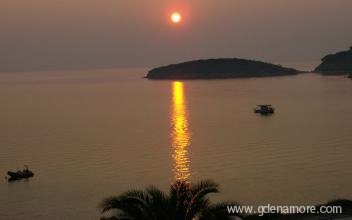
(176, 17)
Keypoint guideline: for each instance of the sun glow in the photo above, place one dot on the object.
(180, 134)
(176, 17)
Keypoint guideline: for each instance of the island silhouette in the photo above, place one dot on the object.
(221, 68)
(336, 64)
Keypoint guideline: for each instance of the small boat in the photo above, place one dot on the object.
(20, 174)
(264, 109)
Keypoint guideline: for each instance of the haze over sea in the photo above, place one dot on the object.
(95, 133)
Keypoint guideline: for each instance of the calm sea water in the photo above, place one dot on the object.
(92, 134)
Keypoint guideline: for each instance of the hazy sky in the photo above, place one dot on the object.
(61, 34)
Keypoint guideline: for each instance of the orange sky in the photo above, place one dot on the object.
(56, 34)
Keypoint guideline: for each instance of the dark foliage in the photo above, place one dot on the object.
(184, 201)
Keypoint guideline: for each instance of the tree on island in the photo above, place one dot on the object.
(185, 201)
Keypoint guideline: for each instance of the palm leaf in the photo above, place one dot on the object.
(132, 204)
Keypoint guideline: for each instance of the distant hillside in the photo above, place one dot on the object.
(219, 68)
(334, 64)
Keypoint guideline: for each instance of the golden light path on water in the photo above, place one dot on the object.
(180, 134)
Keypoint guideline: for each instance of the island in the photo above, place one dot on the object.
(336, 64)
(221, 68)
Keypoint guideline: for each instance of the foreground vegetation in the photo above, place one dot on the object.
(186, 201)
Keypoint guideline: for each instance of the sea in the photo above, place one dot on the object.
(91, 134)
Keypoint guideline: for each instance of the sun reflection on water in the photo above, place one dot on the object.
(180, 133)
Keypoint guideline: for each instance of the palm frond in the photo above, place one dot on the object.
(158, 203)
(132, 204)
(200, 190)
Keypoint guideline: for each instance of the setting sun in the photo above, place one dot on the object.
(176, 17)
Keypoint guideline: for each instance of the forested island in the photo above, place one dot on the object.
(219, 69)
(336, 64)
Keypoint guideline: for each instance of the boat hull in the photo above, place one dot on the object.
(264, 112)
(19, 175)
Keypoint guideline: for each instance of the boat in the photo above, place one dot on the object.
(20, 174)
(264, 109)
